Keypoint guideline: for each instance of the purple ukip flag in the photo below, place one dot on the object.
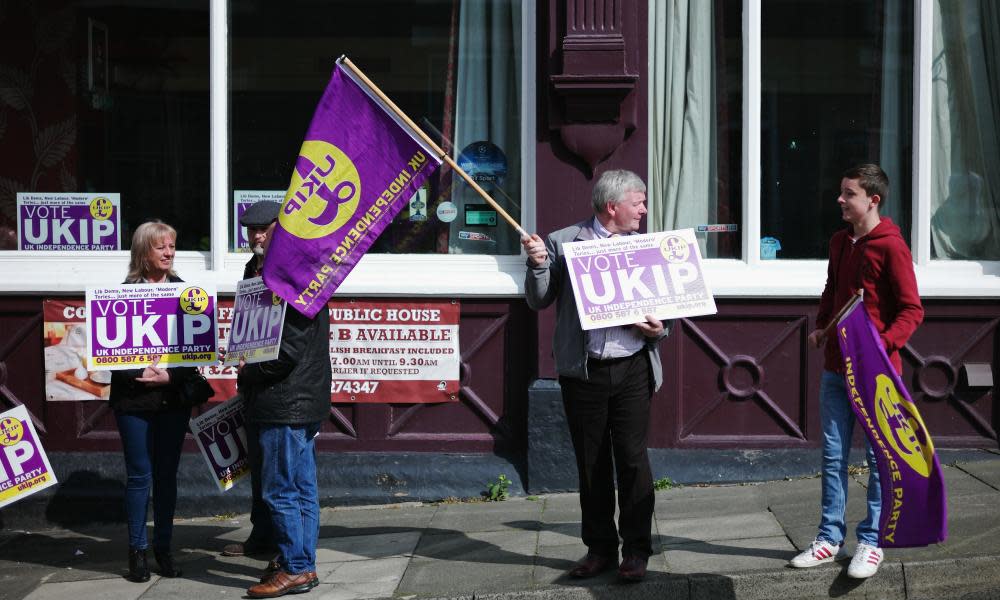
(914, 504)
(358, 166)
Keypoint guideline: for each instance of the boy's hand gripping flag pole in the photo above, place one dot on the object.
(437, 149)
(361, 159)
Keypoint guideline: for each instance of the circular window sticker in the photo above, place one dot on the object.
(447, 211)
(484, 162)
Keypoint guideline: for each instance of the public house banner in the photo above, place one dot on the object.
(257, 322)
(618, 280)
(24, 467)
(68, 221)
(399, 352)
(129, 325)
(222, 438)
(914, 503)
(357, 168)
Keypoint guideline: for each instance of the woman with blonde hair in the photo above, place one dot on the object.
(152, 416)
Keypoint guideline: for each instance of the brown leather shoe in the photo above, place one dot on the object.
(593, 564)
(282, 583)
(633, 568)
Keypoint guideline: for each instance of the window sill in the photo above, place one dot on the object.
(63, 273)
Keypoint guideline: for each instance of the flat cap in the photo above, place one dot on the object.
(260, 214)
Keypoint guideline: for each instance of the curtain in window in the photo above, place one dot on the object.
(487, 108)
(965, 190)
(896, 112)
(683, 189)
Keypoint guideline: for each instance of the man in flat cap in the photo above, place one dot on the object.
(287, 401)
(259, 219)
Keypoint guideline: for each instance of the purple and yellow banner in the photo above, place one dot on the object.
(356, 170)
(914, 503)
(129, 325)
(24, 467)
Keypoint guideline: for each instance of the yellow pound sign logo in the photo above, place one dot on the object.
(901, 429)
(324, 192)
(11, 431)
(101, 207)
(194, 301)
(675, 249)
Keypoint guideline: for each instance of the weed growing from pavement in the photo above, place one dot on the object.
(664, 483)
(496, 491)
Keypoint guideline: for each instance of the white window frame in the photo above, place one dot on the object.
(753, 277)
(375, 275)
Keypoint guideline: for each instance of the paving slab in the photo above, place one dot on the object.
(723, 556)
(366, 547)
(471, 563)
(987, 471)
(561, 508)
(374, 578)
(709, 528)
(107, 589)
(489, 516)
(559, 534)
(370, 520)
(682, 507)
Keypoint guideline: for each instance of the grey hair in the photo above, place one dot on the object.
(612, 186)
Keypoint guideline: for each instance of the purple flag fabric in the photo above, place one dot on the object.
(914, 504)
(358, 166)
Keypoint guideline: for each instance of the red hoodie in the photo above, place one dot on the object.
(881, 264)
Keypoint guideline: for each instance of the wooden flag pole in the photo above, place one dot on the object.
(441, 153)
(855, 298)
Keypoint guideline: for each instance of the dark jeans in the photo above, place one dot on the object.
(261, 532)
(152, 444)
(608, 419)
(288, 453)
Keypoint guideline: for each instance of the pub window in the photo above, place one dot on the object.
(103, 104)
(452, 65)
(837, 90)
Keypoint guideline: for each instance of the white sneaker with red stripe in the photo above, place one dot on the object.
(818, 552)
(866, 561)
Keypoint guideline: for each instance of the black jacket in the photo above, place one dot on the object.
(128, 395)
(293, 389)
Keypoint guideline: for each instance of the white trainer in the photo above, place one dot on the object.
(866, 561)
(818, 552)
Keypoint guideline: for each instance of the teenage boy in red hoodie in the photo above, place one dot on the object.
(869, 254)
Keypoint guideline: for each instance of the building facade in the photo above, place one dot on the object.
(739, 115)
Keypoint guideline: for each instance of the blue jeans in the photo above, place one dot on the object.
(152, 444)
(837, 421)
(288, 477)
(260, 517)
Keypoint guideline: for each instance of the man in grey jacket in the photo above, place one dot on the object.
(607, 378)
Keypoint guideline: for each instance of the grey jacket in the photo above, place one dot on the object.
(550, 283)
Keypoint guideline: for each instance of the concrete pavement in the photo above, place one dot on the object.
(720, 541)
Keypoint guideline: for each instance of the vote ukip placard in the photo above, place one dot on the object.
(619, 280)
(131, 324)
(72, 221)
(24, 467)
(222, 438)
(258, 319)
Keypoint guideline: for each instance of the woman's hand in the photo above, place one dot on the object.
(154, 376)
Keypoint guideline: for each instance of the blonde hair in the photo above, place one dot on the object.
(143, 240)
